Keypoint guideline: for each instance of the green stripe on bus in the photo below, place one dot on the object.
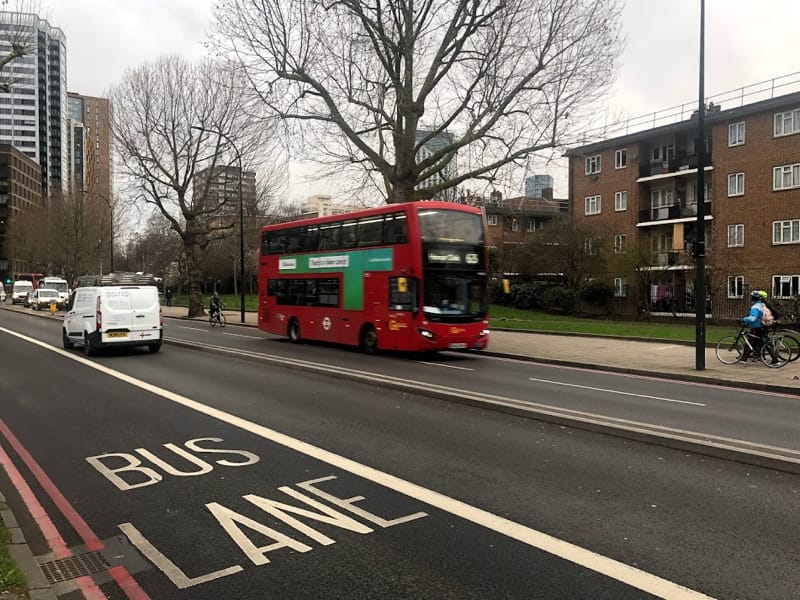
(352, 264)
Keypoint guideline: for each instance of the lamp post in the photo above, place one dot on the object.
(241, 215)
(700, 248)
(111, 219)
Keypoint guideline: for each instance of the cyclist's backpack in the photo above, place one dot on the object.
(767, 317)
(775, 312)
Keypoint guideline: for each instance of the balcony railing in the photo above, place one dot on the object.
(665, 213)
(673, 165)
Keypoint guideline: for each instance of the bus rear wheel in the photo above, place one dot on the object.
(369, 340)
(294, 331)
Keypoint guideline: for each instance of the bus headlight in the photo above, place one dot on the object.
(483, 333)
(426, 333)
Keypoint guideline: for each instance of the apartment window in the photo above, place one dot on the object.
(785, 286)
(786, 177)
(491, 220)
(620, 201)
(592, 205)
(786, 232)
(620, 287)
(787, 123)
(662, 153)
(588, 246)
(621, 158)
(593, 164)
(736, 134)
(736, 286)
(735, 235)
(531, 225)
(661, 197)
(515, 225)
(736, 184)
(620, 242)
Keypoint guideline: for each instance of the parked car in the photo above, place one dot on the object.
(43, 298)
(20, 291)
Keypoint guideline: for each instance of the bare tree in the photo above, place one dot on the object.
(173, 119)
(400, 90)
(19, 18)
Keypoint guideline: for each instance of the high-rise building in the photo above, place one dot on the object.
(222, 190)
(536, 183)
(33, 106)
(448, 171)
(90, 167)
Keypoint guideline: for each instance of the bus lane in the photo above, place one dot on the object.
(221, 507)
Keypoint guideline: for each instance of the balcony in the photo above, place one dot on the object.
(673, 166)
(671, 213)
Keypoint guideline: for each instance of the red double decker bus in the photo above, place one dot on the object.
(409, 277)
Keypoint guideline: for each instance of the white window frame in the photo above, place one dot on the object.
(589, 247)
(786, 123)
(779, 177)
(593, 164)
(735, 184)
(531, 225)
(621, 158)
(620, 287)
(592, 205)
(781, 230)
(620, 201)
(778, 283)
(620, 243)
(491, 220)
(736, 286)
(736, 235)
(515, 225)
(736, 134)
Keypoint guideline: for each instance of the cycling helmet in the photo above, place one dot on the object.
(755, 295)
(762, 294)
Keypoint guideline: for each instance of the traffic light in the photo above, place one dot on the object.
(8, 280)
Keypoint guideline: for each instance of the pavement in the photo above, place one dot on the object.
(648, 357)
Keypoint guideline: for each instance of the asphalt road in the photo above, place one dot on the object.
(458, 502)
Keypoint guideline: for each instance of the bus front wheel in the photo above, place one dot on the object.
(294, 331)
(369, 339)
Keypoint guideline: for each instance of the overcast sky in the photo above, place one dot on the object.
(747, 41)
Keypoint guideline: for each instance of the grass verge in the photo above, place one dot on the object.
(11, 578)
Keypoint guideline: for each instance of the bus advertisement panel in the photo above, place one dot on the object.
(408, 277)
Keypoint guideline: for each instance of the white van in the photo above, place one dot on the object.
(20, 291)
(60, 285)
(114, 315)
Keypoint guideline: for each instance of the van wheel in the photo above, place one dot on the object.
(68, 345)
(369, 340)
(154, 347)
(88, 347)
(294, 331)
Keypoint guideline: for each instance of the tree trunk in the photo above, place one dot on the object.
(190, 251)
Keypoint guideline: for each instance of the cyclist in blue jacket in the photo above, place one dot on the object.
(753, 321)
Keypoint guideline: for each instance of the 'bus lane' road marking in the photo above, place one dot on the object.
(632, 576)
(621, 393)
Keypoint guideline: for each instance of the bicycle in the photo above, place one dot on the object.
(788, 337)
(216, 317)
(773, 352)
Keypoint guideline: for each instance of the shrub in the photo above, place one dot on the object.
(561, 298)
(598, 294)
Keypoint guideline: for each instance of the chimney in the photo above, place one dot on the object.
(547, 193)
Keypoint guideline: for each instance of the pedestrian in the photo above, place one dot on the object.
(754, 321)
(168, 296)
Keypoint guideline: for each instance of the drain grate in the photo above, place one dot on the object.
(73, 567)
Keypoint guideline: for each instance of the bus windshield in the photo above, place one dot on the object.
(455, 295)
(442, 225)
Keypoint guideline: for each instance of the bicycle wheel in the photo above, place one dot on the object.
(221, 320)
(775, 354)
(213, 320)
(730, 349)
(793, 343)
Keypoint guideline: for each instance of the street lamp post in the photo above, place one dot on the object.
(111, 218)
(241, 215)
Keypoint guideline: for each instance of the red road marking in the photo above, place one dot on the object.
(89, 588)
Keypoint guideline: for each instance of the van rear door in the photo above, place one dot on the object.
(115, 308)
(146, 308)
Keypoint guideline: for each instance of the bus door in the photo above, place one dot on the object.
(403, 308)
(324, 315)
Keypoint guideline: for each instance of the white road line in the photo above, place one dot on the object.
(647, 582)
(443, 365)
(597, 389)
(251, 337)
(193, 328)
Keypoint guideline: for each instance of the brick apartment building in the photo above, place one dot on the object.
(639, 191)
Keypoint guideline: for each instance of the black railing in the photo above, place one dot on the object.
(664, 213)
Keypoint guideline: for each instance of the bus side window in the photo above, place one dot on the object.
(369, 231)
(277, 242)
(312, 239)
(394, 229)
(295, 239)
(329, 236)
(348, 238)
(264, 244)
